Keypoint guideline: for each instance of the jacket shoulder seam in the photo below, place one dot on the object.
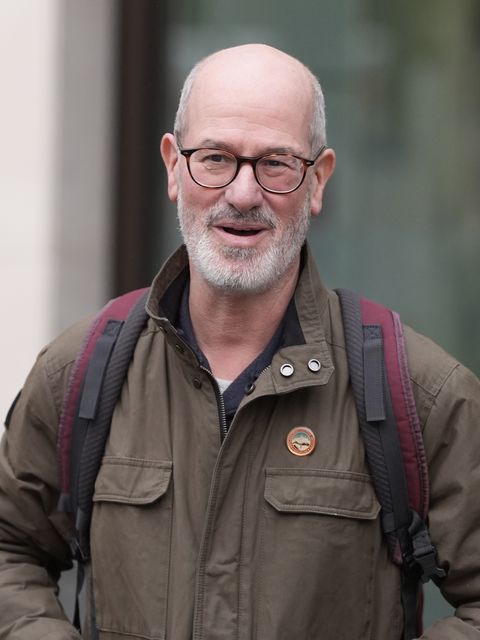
(440, 383)
(54, 371)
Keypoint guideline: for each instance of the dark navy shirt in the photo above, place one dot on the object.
(287, 333)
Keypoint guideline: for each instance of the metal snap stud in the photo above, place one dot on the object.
(314, 365)
(197, 383)
(287, 370)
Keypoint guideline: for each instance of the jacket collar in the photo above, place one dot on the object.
(167, 286)
(311, 297)
(311, 302)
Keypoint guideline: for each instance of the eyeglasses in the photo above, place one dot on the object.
(274, 172)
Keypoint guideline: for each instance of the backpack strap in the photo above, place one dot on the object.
(93, 389)
(393, 442)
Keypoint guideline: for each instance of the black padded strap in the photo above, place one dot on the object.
(354, 339)
(96, 370)
(97, 430)
(381, 439)
(393, 460)
(87, 408)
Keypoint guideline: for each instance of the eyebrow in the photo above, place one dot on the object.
(210, 143)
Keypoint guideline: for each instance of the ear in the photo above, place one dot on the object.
(170, 155)
(323, 170)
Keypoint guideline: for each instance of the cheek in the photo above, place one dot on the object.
(290, 209)
(191, 212)
(194, 196)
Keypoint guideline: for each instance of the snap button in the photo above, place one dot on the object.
(250, 388)
(314, 365)
(287, 370)
(179, 347)
(197, 383)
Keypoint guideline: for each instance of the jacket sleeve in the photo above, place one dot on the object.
(452, 441)
(33, 547)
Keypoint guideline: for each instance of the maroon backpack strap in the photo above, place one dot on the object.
(403, 402)
(115, 310)
(394, 449)
(93, 389)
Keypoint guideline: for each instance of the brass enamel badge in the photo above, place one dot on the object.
(301, 441)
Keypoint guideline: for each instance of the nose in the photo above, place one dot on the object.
(244, 192)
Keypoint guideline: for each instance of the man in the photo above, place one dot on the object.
(206, 525)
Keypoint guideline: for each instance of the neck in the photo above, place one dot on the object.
(232, 329)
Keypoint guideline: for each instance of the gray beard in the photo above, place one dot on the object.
(241, 270)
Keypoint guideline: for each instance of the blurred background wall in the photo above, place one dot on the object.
(88, 87)
(57, 132)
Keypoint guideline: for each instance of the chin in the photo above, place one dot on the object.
(241, 271)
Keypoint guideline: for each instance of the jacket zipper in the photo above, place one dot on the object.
(220, 403)
(219, 397)
(199, 589)
(269, 366)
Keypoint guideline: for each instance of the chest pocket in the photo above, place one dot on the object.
(321, 536)
(336, 493)
(130, 540)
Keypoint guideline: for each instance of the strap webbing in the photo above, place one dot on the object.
(78, 587)
(373, 373)
(410, 590)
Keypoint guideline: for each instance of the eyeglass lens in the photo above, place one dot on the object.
(216, 168)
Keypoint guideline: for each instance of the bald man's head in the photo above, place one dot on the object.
(256, 70)
(251, 168)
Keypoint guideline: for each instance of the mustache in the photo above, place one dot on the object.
(225, 214)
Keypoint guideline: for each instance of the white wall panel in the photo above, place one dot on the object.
(56, 131)
(28, 155)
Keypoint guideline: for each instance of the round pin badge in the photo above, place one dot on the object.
(301, 441)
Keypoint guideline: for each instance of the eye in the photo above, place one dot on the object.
(274, 163)
(278, 163)
(213, 157)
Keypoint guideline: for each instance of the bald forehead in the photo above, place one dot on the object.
(251, 77)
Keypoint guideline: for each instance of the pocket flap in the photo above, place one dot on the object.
(325, 491)
(132, 480)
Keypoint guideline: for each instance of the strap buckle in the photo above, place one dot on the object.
(424, 555)
(77, 551)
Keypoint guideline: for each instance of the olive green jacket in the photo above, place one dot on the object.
(240, 540)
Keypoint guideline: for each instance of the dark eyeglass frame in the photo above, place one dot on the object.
(252, 161)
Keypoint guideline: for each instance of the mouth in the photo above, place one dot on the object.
(241, 232)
